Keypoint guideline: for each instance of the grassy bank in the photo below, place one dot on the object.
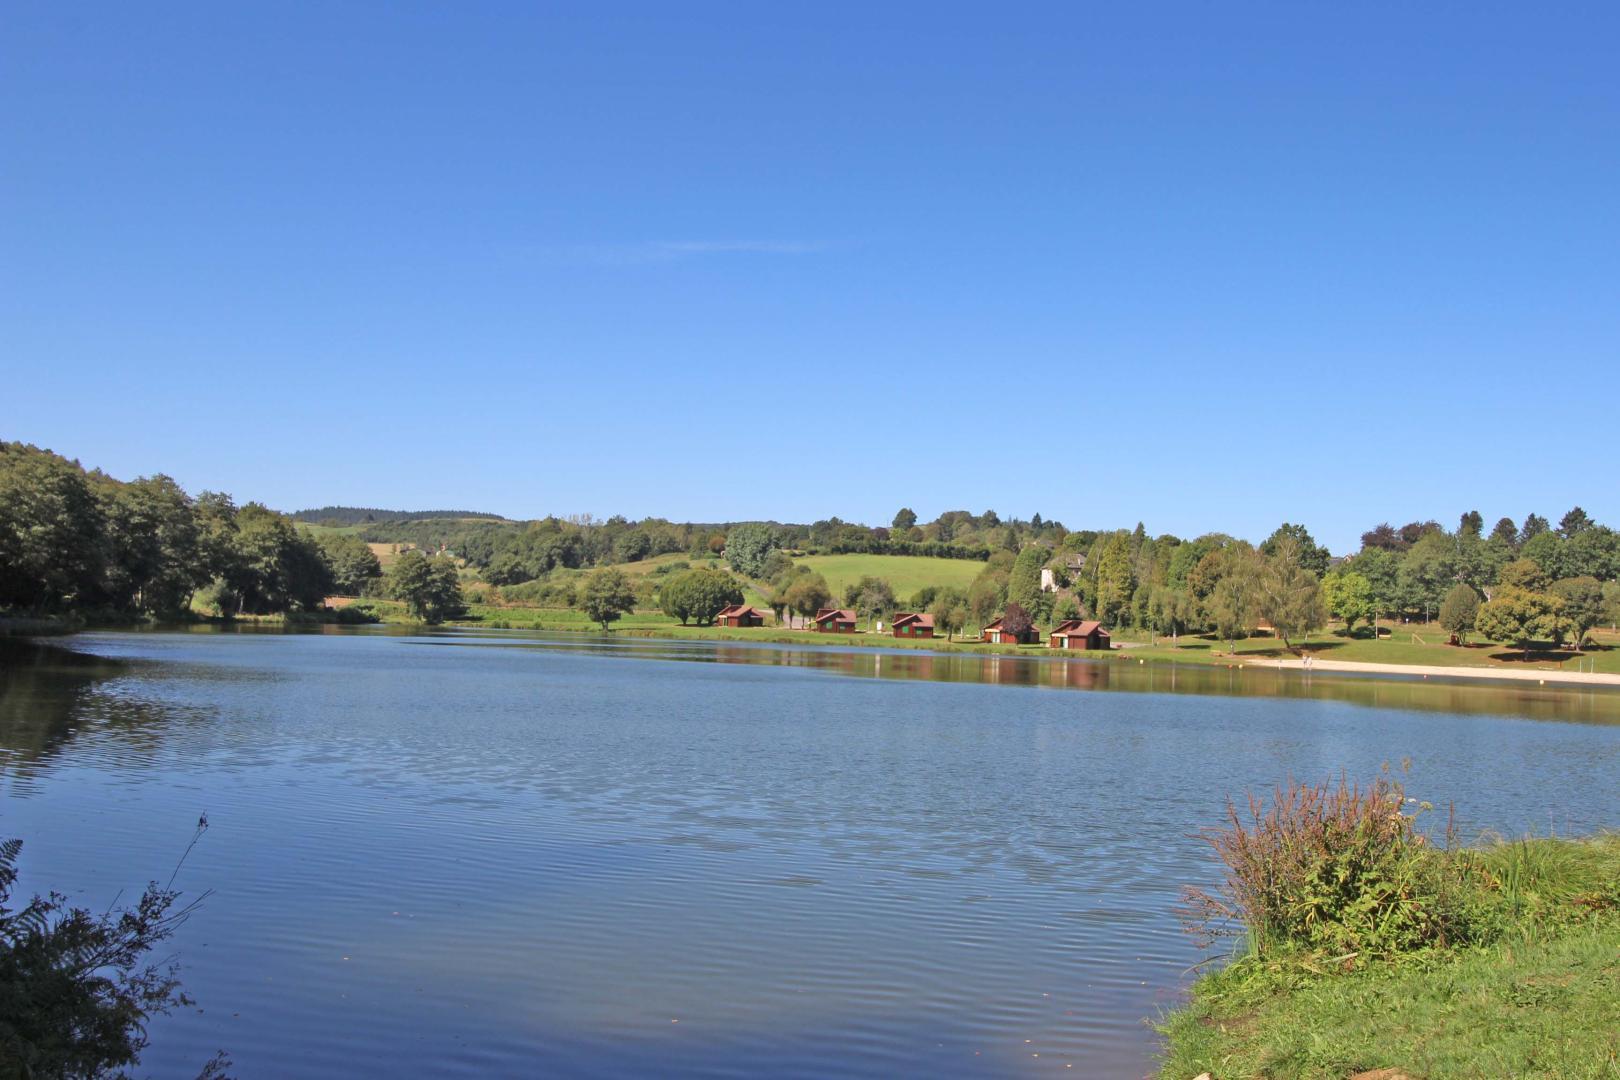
(1368, 948)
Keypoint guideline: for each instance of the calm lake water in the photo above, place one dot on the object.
(506, 854)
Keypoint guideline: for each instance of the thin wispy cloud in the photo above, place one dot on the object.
(675, 251)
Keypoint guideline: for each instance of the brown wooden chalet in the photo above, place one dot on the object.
(1080, 634)
(913, 624)
(995, 635)
(835, 621)
(740, 615)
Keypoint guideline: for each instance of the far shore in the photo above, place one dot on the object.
(1426, 670)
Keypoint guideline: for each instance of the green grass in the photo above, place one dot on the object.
(1543, 1000)
(906, 574)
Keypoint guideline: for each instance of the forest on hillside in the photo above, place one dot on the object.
(80, 540)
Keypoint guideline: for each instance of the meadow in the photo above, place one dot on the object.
(906, 574)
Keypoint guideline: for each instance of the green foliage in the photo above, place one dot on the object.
(1331, 869)
(808, 594)
(1303, 548)
(1289, 595)
(1065, 607)
(1582, 604)
(949, 607)
(606, 595)
(76, 988)
(749, 546)
(429, 588)
(1426, 571)
(1115, 578)
(1529, 990)
(906, 519)
(1521, 617)
(870, 597)
(1525, 574)
(1458, 609)
(1024, 580)
(1348, 596)
(354, 565)
(698, 595)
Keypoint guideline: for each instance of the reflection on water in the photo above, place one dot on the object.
(499, 854)
(1121, 672)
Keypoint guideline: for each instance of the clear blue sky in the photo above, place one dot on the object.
(1207, 266)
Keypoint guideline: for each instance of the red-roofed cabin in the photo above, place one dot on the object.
(912, 624)
(1080, 634)
(835, 621)
(740, 615)
(995, 635)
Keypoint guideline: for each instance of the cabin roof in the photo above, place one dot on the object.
(920, 618)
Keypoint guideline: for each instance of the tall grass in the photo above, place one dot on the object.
(1341, 871)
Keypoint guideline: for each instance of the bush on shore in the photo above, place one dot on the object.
(1365, 945)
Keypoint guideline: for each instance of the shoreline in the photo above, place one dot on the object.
(1365, 667)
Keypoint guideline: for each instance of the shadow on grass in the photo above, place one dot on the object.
(1534, 656)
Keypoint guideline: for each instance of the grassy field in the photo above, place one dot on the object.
(1538, 1001)
(905, 573)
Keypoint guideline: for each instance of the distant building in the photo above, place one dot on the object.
(912, 624)
(995, 635)
(1080, 634)
(740, 615)
(1072, 565)
(835, 621)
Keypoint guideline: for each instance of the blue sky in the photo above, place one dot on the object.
(1207, 266)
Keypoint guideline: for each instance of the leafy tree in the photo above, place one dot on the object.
(748, 547)
(870, 597)
(1016, 621)
(1458, 610)
(429, 588)
(1520, 617)
(50, 530)
(1231, 607)
(1523, 574)
(152, 548)
(1426, 570)
(1024, 582)
(1573, 523)
(1383, 536)
(1115, 580)
(354, 565)
(1534, 526)
(1505, 532)
(698, 595)
(1171, 611)
(606, 595)
(1309, 555)
(1290, 596)
(1611, 603)
(1348, 596)
(950, 610)
(1583, 605)
(808, 594)
(985, 597)
(1472, 524)
(76, 987)
(1547, 550)
(1066, 607)
(906, 519)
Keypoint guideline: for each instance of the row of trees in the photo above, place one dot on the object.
(73, 539)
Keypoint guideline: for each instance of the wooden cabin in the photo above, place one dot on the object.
(913, 624)
(1080, 634)
(740, 615)
(995, 635)
(835, 621)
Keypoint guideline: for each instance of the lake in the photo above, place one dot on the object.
(479, 854)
